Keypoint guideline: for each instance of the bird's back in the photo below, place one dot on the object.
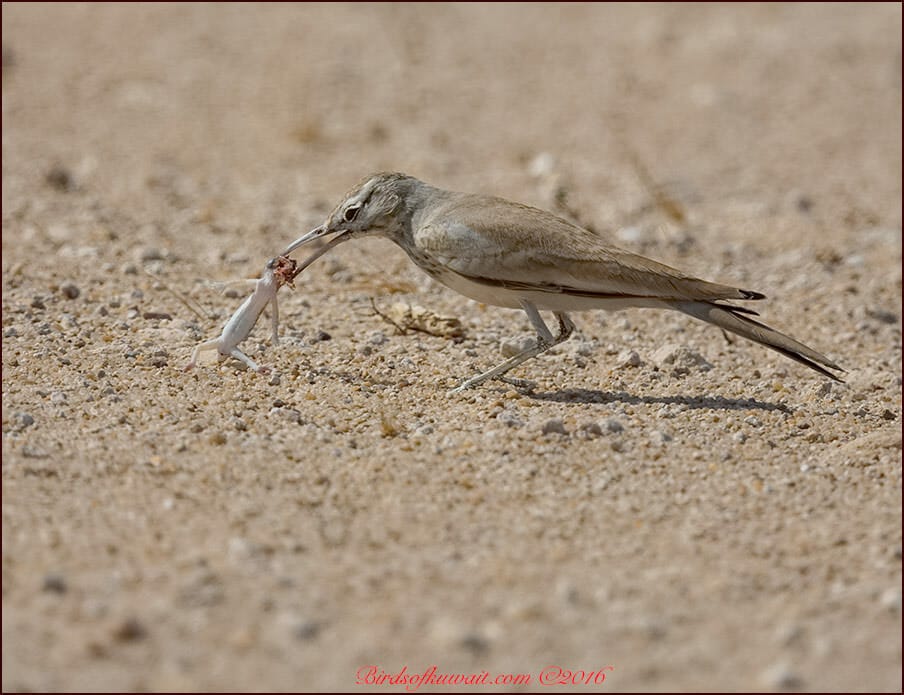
(507, 242)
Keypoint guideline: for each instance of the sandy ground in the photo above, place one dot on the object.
(724, 520)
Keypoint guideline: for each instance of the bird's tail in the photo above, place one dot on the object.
(732, 318)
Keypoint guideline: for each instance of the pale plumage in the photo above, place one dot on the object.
(512, 255)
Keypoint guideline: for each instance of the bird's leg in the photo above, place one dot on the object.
(545, 340)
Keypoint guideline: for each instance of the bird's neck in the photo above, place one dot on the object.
(418, 205)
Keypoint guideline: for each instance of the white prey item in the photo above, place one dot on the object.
(278, 272)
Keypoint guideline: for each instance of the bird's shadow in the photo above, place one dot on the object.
(586, 396)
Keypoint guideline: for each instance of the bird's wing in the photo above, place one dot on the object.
(495, 241)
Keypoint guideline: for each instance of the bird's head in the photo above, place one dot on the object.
(376, 206)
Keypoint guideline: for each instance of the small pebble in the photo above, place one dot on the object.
(476, 644)
(274, 379)
(57, 397)
(10, 332)
(59, 178)
(613, 426)
(307, 630)
(129, 630)
(321, 336)
(149, 253)
(157, 315)
(753, 421)
(888, 415)
(591, 429)
(70, 290)
(554, 426)
(37, 302)
(628, 358)
(54, 583)
(507, 417)
(217, 439)
(23, 420)
(289, 414)
(661, 437)
(512, 346)
(582, 348)
(882, 315)
(679, 360)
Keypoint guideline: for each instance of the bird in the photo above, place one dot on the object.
(499, 252)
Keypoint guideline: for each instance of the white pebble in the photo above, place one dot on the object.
(542, 164)
(507, 417)
(628, 358)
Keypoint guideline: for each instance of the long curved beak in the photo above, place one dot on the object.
(302, 240)
(343, 235)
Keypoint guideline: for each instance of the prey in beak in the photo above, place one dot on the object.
(313, 235)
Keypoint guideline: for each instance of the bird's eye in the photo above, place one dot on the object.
(351, 213)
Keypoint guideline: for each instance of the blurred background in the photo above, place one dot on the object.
(258, 117)
(754, 143)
